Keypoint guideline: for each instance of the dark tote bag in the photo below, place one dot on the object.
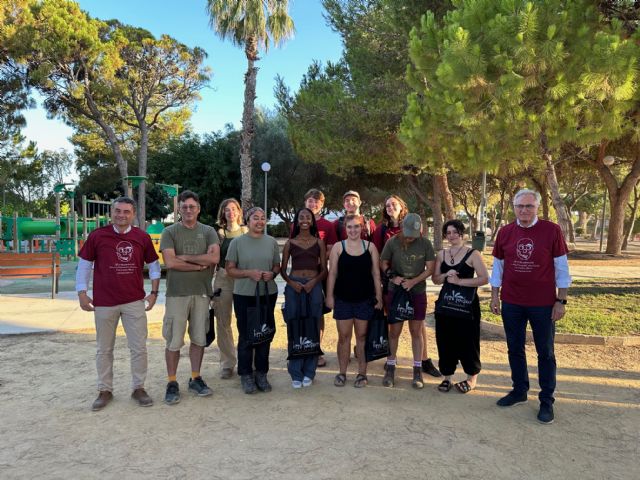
(261, 324)
(377, 344)
(211, 333)
(401, 307)
(455, 300)
(303, 331)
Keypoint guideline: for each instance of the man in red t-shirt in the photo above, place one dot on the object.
(117, 253)
(530, 266)
(352, 202)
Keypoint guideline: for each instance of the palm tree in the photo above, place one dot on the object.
(253, 24)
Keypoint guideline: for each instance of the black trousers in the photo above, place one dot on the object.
(458, 340)
(250, 357)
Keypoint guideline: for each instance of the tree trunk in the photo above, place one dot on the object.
(436, 208)
(583, 221)
(447, 197)
(418, 191)
(618, 196)
(97, 117)
(246, 195)
(541, 186)
(554, 188)
(142, 171)
(628, 231)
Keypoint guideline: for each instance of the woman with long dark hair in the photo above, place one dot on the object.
(458, 339)
(308, 268)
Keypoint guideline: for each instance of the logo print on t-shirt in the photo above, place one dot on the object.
(524, 248)
(124, 251)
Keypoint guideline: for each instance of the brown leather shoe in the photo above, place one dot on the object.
(226, 373)
(141, 396)
(104, 397)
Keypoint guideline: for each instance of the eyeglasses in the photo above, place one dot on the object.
(188, 207)
(528, 206)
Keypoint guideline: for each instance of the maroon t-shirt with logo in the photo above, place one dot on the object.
(118, 259)
(528, 277)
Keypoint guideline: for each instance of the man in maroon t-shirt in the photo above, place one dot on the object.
(352, 202)
(530, 266)
(117, 253)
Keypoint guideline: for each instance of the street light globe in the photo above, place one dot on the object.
(609, 160)
(266, 166)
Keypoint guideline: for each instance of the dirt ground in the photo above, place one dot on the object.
(48, 431)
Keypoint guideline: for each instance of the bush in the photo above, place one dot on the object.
(279, 230)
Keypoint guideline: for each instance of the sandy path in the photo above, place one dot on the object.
(48, 431)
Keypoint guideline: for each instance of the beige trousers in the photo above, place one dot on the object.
(223, 306)
(134, 321)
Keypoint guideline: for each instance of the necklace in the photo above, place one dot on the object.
(452, 255)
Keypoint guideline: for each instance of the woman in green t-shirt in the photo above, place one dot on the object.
(229, 220)
(253, 260)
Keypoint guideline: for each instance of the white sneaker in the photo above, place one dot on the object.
(306, 382)
(296, 384)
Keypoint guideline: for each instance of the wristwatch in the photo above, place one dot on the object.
(154, 292)
(563, 301)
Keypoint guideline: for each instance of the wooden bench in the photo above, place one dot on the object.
(31, 265)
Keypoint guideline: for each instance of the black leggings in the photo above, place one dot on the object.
(250, 356)
(458, 340)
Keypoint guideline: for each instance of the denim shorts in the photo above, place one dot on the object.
(348, 310)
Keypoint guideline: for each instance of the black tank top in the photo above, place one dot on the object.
(464, 271)
(355, 282)
(304, 258)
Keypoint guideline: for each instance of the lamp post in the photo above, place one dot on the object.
(608, 161)
(266, 166)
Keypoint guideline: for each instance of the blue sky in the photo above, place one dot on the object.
(187, 21)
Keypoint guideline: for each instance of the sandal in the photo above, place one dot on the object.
(464, 386)
(322, 362)
(361, 381)
(340, 380)
(445, 386)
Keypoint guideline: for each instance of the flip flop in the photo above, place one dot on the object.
(445, 386)
(463, 386)
(361, 381)
(340, 380)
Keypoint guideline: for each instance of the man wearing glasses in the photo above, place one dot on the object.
(190, 249)
(531, 276)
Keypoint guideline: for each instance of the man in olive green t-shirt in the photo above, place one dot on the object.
(190, 249)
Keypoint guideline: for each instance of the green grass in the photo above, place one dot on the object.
(597, 306)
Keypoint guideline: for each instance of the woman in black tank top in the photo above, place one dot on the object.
(353, 290)
(459, 339)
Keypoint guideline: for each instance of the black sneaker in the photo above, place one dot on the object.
(173, 393)
(262, 383)
(545, 415)
(430, 369)
(197, 386)
(511, 399)
(417, 378)
(389, 376)
(248, 384)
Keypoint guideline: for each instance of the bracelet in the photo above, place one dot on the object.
(563, 301)
(154, 292)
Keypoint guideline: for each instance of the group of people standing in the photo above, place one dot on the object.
(351, 267)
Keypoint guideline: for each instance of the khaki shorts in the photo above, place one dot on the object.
(193, 309)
